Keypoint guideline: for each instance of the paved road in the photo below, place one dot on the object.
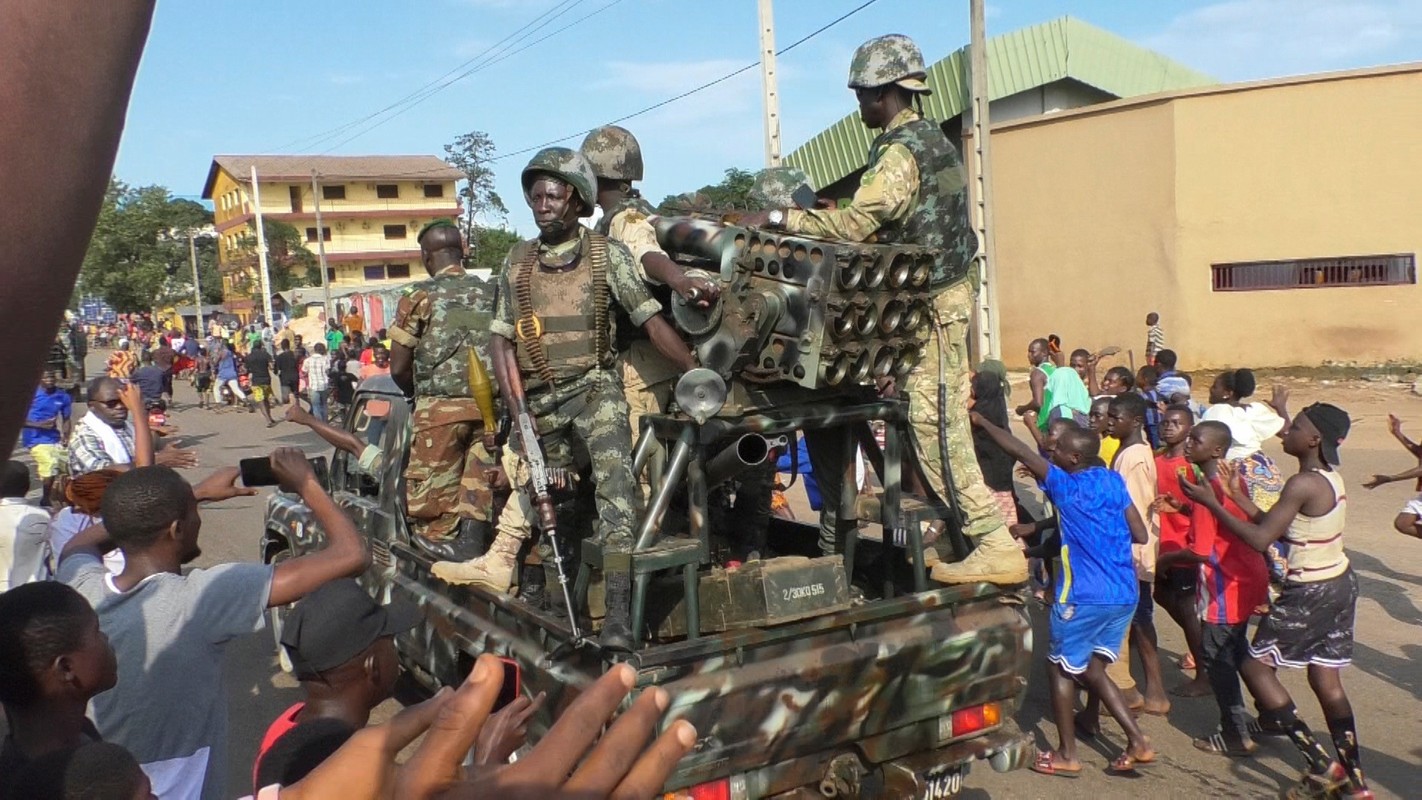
(1385, 683)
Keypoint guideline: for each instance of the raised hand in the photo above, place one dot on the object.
(222, 485)
(176, 457)
(1376, 481)
(292, 470)
(506, 731)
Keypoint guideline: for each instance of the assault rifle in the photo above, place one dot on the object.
(539, 482)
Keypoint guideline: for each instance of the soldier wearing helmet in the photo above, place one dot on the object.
(616, 160)
(447, 490)
(913, 190)
(554, 327)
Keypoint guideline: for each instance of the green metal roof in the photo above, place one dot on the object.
(1017, 61)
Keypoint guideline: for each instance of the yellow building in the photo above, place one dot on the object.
(1272, 223)
(371, 209)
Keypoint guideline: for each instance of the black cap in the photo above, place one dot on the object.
(336, 623)
(1332, 423)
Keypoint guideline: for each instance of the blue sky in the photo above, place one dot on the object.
(263, 76)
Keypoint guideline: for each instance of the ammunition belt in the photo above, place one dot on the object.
(530, 328)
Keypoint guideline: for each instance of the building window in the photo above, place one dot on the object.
(375, 272)
(1314, 273)
(330, 274)
(325, 234)
(434, 190)
(393, 271)
(333, 192)
(394, 231)
(387, 191)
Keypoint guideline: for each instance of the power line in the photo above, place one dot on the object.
(478, 68)
(312, 140)
(702, 87)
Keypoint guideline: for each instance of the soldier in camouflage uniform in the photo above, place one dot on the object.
(774, 187)
(616, 160)
(553, 328)
(446, 479)
(914, 191)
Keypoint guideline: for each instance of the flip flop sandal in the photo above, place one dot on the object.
(1318, 785)
(1187, 661)
(1127, 764)
(1215, 743)
(1046, 764)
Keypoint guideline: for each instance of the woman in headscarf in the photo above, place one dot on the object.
(84, 493)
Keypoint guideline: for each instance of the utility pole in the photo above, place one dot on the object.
(262, 248)
(767, 79)
(989, 334)
(197, 289)
(321, 245)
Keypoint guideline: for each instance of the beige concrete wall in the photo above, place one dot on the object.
(1105, 214)
(1085, 235)
(1309, 170)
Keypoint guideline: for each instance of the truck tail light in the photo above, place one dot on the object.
(730, 788)
(976, 718)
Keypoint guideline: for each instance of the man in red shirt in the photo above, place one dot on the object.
(1234, 581)
(1175, 588)
(342, 648)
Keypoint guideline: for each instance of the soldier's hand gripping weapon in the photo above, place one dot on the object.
(539, 483)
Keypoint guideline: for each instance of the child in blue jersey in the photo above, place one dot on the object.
(1097, 590)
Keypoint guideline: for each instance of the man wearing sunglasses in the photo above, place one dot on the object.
(114, 433)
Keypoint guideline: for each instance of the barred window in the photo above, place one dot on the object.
(1314, 273)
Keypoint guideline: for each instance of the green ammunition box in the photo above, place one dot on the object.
(768, 592)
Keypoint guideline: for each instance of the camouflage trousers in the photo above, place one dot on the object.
(446, 478)
(584, 422)
(981, 515)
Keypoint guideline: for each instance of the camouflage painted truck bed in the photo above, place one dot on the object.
(867, 694)
(892, 698)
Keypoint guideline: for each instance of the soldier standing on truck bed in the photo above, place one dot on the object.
(446, 479)
(553, 332)
(914, 191)
(616, 159)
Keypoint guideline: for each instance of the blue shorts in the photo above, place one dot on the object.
(1079, 631)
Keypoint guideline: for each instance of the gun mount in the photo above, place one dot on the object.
(814, 312)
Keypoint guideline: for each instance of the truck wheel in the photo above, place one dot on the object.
(276, 617)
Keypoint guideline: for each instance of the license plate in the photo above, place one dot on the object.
(941, 782)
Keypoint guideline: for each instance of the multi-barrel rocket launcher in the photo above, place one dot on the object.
(820, 314)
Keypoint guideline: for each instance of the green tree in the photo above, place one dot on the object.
(138, 256)
(489, 247)
(291, 265)
(731, 194)
(472, 154)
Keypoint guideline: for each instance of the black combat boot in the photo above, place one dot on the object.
(532, 588)
(617, 625)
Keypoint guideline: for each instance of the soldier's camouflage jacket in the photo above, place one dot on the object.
(914, 191)
(440, 319)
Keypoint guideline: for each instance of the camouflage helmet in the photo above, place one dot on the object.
(614, 153)
(567, 165)
(773, 187)
(888, 59)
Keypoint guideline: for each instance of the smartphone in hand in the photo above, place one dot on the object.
(805, 197)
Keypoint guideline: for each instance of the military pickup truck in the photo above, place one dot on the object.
(894, 698)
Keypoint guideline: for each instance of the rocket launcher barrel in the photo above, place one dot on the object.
(702, 238)
(483, 391)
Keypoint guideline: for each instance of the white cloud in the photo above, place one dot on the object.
(1243, 39)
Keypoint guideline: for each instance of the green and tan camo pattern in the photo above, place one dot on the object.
(567, 165)
(773, 187)
(614, 153)
(884, 60)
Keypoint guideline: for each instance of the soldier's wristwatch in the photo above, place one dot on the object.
(776, 218)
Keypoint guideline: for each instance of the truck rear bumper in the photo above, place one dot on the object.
(1004, 748)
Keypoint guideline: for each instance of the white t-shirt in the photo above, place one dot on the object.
(170, 634)
(1250, 426)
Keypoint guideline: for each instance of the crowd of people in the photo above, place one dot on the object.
(1154, 501)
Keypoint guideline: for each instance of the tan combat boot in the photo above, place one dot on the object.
(493, 571)
(997, 559)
